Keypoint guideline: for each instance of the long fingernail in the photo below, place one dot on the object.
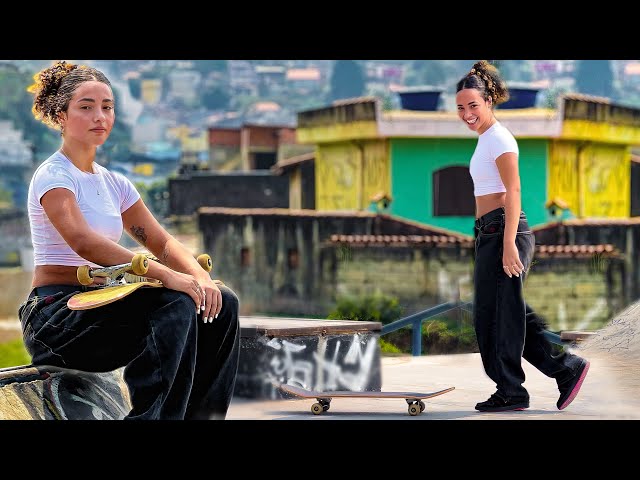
(202, 307)
(217, 315)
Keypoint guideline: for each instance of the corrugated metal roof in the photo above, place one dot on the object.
(283, 212)
(575, 250)
(406, 240)
(354, 100)
(592, 222)
(586, 98)
(444, 240)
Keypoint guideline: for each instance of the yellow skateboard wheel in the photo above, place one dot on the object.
(140, 264)
(205, 262)
(83, 275)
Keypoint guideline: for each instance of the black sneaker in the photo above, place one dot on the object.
(498, 404)
(570, 389)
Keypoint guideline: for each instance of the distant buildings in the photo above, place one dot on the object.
(579, 153)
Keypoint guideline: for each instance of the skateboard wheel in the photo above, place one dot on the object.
(317, 409)
(414, 409)
(84, 275)
(205, 262)
(422, 406)
(140, 264)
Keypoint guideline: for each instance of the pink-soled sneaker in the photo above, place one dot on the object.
(569, 390)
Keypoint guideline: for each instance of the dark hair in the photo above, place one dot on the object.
(54, 86)
(485, 78)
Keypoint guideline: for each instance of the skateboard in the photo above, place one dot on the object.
(121, 280)
(413, 399)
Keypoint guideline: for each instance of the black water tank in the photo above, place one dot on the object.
(423, 98)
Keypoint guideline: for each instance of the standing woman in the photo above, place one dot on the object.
(180, 344)
(503, 252)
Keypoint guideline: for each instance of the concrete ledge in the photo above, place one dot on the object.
(575, 335)
(319, 354)
(313, 353)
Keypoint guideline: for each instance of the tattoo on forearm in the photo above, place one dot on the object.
(138, 232)
(165, 255)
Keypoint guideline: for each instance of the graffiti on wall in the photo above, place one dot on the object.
(323, 362)
(337, 171)
(606, 173)
(350, 173)
(50, 393)
(593, 179)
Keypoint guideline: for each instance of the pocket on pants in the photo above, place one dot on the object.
(38, 332)
(492, 228)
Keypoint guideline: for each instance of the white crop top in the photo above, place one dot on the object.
(102, 197)
(483, 169)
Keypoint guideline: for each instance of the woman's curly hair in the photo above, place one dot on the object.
(54, 86)
(485, 78)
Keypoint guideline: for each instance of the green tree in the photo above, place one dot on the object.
(429, 72)
(347, 80)
(515, 70)
(214, 98)
(135, 88)
(206, 66)
(15, 105)
(594, 77)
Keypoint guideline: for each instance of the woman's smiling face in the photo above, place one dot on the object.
(474, 110)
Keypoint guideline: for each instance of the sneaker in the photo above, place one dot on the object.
(570, 389)
(498, 404)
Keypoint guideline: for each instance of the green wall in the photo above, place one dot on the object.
(413, 161)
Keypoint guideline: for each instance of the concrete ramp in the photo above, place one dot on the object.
(619, 339)
(51, 393)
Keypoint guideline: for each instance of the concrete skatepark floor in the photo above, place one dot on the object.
(611, 390)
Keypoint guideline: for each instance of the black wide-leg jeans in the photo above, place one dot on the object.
(507, 329)
(176, 366)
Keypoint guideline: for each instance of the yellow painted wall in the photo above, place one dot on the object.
(349, 173)
(337, 132)
(606, 181)
(143, 169)
(606, 132)
(593, 178)
(563, 174)
(150, 90)
(295, 189)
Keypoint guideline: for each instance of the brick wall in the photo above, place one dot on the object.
(574, 294)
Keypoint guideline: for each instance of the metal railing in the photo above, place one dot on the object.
(415, 321)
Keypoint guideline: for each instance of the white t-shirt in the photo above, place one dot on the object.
(495, 141)
(102, 197)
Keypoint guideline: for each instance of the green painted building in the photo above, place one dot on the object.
(575, 160)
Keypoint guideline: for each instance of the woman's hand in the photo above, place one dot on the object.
(204, 292)
(511, 263)
(212, 303)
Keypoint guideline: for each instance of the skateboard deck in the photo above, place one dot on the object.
(105, 295)
(413, 399)
(121, 280)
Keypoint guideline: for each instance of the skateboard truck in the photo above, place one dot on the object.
(138, 266)
(114, 274)
(120, 281)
